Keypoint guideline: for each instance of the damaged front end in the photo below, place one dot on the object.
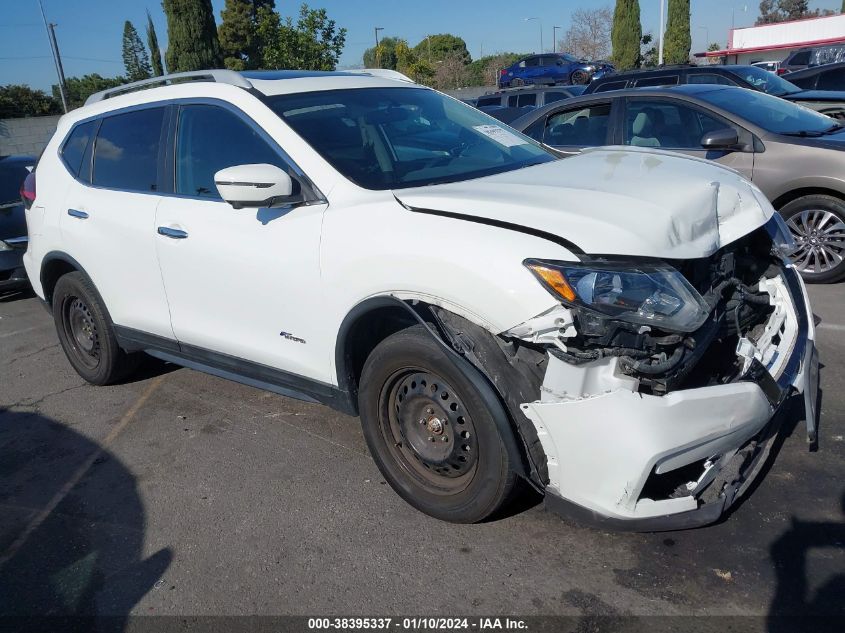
(664, 379)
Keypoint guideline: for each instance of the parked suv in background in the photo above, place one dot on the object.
(827, 77)
(828, 102)
(528, 97)
(622, 344)
(551, 69)
(807, 57)
(13, 239)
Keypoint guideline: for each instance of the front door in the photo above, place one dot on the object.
(678, 126)
(244, 283)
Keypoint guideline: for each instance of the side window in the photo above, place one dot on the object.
(611, 85)
(667, 124)
(709, 78)
(76, 148)
(832, 80)
(665, 80)
(512, 101)
(532, 61)
(582, 127)
(209, 139)
(807, 83)
(800, 59)
(529, 99)
(551, 97)
(126, 150)
(488, 101)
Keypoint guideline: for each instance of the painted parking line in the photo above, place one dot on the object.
(80, 472)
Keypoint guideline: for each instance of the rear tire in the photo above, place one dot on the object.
(817, 223)
(86, 333)
(430, 431)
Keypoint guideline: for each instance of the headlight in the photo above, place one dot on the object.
(656, 295)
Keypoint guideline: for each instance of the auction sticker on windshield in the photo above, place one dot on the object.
(500, 135)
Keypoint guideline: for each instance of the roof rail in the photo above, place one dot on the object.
(219, 76)
(383, 73)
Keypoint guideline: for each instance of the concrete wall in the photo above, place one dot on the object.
(26, 136)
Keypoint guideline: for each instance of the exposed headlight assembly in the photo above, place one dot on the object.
(647, 294)
(782, 238)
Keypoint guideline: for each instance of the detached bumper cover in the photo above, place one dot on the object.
(603, 449)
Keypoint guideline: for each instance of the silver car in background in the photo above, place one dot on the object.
(793, 154)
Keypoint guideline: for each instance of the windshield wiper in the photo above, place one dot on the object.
(833, 129)
(805, 133)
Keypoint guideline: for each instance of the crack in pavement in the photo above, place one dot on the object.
(39, 401)
(31, 354)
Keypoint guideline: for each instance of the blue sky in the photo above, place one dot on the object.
(90, 31)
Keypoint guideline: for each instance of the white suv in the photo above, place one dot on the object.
(617, 329)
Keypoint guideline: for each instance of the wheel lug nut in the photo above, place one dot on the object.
(430, 439)
(444, 439)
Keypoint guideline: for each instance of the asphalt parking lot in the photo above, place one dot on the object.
(181, 493)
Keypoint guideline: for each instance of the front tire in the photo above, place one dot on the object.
(86, 333)
(580, 78)
(817, 222)
(430, 432)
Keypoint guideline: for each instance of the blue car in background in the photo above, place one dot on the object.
(551, 69)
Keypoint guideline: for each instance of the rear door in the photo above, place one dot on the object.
(672, 124)
(108, 221)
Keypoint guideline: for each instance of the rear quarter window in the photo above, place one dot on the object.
(664, 80)
(488, 101)
(76, 147)
(611, 85)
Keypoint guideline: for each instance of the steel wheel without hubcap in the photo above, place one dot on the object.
(81, 331)
(429, 431)
(820, 236)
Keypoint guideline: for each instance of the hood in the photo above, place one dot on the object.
(816, 95)
(613, 201)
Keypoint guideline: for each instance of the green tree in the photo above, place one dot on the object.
(649, 55)
(155, 50)
(80, 88)
(484, 71)
(20, 101)
(627, 34)
(192, 36)
(238, 33)
(313, 43)
(385, 56)
(439, 48)
(678, 40)
(135, 58)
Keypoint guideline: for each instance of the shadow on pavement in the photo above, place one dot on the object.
(793, 596)
(71, 526)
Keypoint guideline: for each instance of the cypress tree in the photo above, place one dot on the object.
(155, 51)
(135, 57)
(192, 36)
(626, 34)
(678, 41)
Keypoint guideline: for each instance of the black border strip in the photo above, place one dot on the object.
(551, 237)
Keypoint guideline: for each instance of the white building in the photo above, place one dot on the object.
(774, 42)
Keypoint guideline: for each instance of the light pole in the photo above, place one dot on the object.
(54, 47)
(554, 38)
(540, 22)
(662, 29)
(378, 55)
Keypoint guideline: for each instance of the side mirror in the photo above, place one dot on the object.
(726, 138)
(259, 185)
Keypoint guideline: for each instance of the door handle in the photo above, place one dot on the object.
(174, 234)
(74, 213)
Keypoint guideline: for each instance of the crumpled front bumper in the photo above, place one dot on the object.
(603, 449)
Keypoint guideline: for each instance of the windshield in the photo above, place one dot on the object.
(570, 58)
(390, 138)
(764, 80)
(770, 113)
